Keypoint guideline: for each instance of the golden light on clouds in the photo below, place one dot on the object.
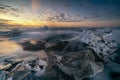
(31, 22)
(38, 13)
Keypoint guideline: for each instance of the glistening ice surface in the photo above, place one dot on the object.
(60, 54)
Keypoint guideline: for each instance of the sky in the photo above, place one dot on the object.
(60, 13)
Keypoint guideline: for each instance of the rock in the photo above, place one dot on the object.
(115, 75)
(98, 42)
(33, 46)
(62, 46)
(3, 75)
(62, 75)
(76, 46)
(63, 37)
(27, 70)
(43, 55)
(55, 45)
(38, 67)
(22, 75)
(79, 64)
(88, 69)
(3, 67)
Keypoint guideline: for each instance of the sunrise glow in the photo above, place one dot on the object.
(38, 13)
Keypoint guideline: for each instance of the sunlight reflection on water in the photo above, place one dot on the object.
(12, 50)
(8, 47)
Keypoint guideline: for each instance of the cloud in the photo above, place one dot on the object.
(62, 17)
(14, 9)
(57, 17)
(2, 7)
(4, 21)
(8, 9)
(5, 5)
